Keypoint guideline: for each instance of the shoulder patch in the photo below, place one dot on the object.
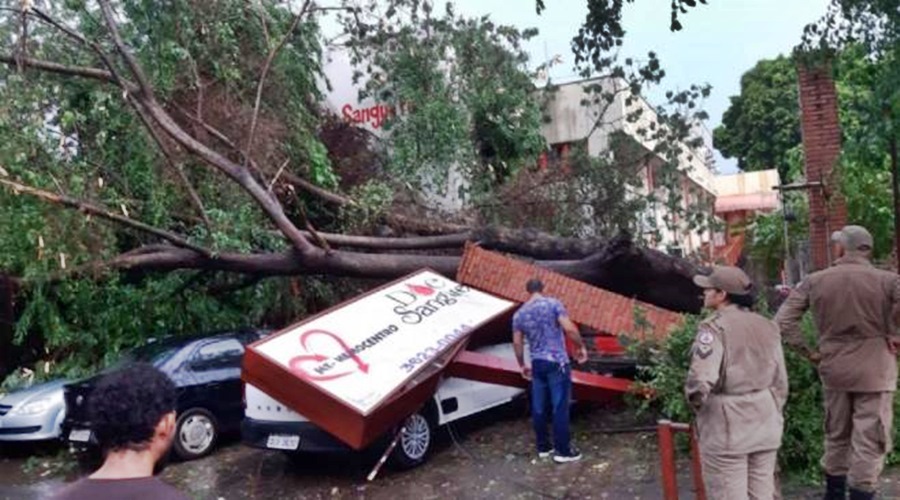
(705, 337)
(703, 351)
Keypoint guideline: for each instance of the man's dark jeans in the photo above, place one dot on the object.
(551, 388)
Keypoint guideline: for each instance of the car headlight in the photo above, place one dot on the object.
(35, 407)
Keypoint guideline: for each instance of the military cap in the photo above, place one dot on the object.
(853, 238)
(726, 278)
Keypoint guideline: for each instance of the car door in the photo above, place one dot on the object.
(216, 366)
(460, 397)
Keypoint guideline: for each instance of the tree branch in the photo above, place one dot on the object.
(240, 175)
(319, 192)
(260, 11)
(349, 264)
(78, 37)
(425, 226)
(411, 243)
(311, 230)
(106, 214)
(61, 69)
(129, 58)
(617, 266)
(265, 71)
(170, 160)
(296, 180)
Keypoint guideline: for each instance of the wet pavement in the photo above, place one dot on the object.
(486, 457)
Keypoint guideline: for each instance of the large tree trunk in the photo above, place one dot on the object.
(616, 265)
(648, 275)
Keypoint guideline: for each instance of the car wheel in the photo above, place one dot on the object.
(195, 433)
(415, 441)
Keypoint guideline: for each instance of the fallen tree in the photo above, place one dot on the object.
(184, 136)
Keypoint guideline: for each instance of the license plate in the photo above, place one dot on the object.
(283, 442)
(80, 435)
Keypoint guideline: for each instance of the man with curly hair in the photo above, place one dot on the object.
(132, 413)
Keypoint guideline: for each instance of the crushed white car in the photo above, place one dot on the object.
(272, 425)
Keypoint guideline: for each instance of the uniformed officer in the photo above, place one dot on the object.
(855, 309)
(737, 385)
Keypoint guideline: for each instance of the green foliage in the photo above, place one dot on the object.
(768, 232)
(869, 122)
(763, 123)
(462, 97)
(372, 201)
(865, 177)
(587, 191)
(85, 324)
(663, 368)
(81, 138)
(866, 36)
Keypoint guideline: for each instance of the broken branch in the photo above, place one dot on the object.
(265, 71)
(126, 54)
(106, 214)
(170, 160)
(62, 69)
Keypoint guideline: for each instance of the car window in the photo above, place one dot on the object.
(251, 336)
(223, 353)
(155, 353)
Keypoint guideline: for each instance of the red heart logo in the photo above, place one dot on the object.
(420, 289)
(297, 363)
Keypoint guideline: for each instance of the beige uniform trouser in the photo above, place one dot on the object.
(857, 435)
(740, 477)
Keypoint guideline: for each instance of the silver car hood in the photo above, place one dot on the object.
(33, 392)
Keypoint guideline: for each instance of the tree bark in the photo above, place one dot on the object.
(617, 266)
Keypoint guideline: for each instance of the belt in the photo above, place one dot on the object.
(734, 395)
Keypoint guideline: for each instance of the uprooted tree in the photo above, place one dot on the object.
(186, 145)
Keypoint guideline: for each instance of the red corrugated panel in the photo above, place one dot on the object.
(602, 310)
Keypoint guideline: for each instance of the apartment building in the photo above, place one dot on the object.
(579, 114)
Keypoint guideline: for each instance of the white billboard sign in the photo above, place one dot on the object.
(362, 352)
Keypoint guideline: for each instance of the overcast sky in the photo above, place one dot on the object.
(719, 42)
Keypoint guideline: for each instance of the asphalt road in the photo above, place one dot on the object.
(488, 457)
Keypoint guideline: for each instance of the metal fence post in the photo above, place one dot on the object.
(667, 459)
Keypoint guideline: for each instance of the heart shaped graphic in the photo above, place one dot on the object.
(297, 363)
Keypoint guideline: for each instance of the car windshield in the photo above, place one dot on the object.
(155, 353)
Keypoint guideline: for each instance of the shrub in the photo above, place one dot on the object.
(663, 368)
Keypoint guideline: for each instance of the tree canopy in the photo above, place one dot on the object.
(172, 162)
(762, 124)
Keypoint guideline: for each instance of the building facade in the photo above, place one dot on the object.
(592, 112)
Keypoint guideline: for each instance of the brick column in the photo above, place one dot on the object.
(822, 147)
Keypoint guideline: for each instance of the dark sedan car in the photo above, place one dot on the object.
(207, 372)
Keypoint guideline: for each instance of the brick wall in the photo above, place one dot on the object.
(822, 146)
(604, 311)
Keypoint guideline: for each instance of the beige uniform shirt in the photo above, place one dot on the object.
(737, 383)
(854, 307)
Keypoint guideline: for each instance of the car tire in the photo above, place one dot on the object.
(415, 443)
(196, 433)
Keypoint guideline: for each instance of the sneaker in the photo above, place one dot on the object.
(545, 454)
(573, 456)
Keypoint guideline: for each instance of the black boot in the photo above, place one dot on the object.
(856, 494)
(835, 487)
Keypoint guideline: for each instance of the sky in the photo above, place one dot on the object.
(720, 41)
